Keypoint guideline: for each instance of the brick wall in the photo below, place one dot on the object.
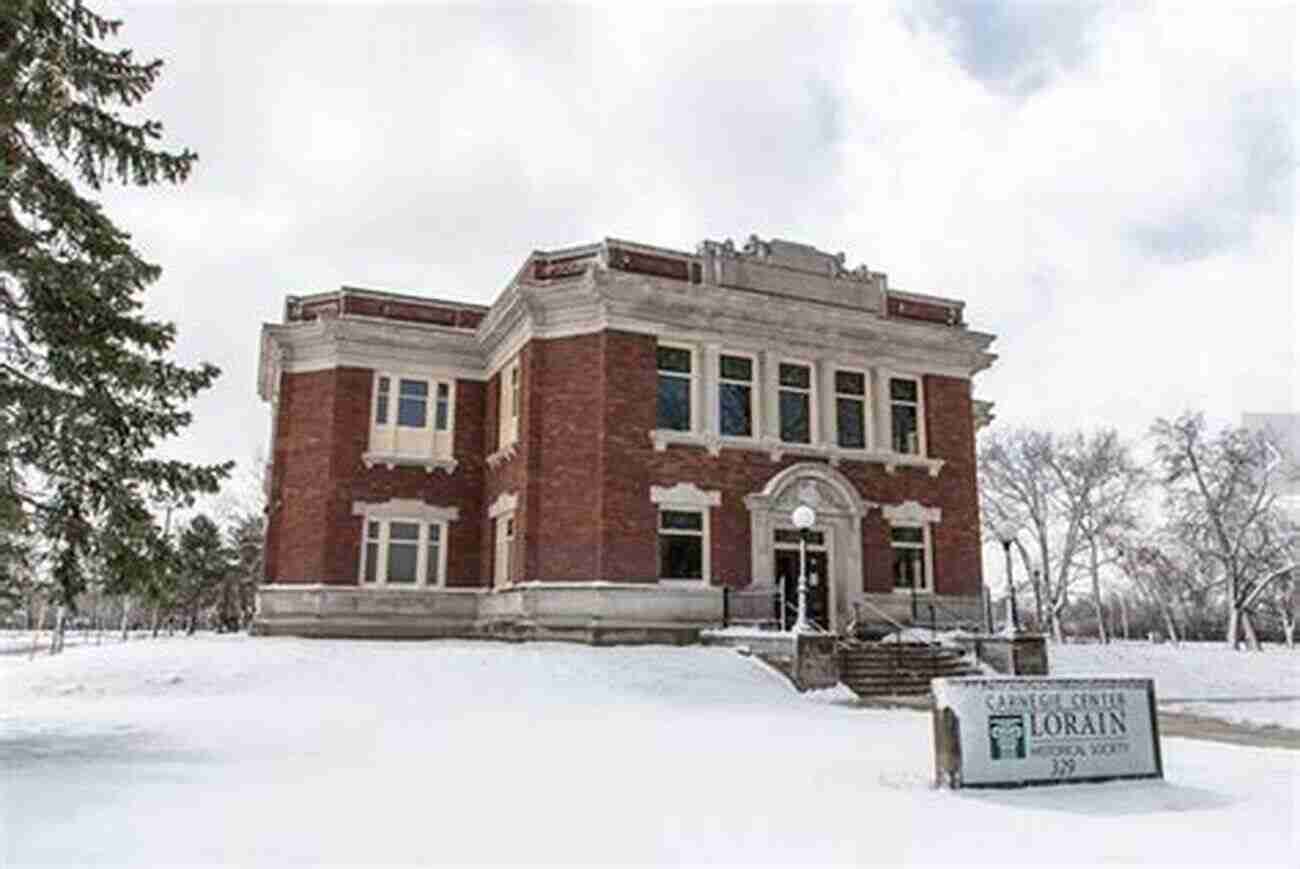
(324, 429)
(582, 472)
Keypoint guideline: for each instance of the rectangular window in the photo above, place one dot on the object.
(681, 544)
(371, 554)
(851, 409)
(433, 553)
(381, 401)
(736, 396)
(412, 403)
(443, 407)
(414, 417)
(403, 552)
(909, 558)
(508, 406)
(790, 536)
(675, 382)
(505, 538)
(795, 403)
(905, 414)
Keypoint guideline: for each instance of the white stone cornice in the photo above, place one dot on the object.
(910, 513)
(685, 495)
(396, 460)
(506, 502)
(405, 508)
(367, 342)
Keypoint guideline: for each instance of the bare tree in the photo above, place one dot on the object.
(1098, 487)
(1221, 505)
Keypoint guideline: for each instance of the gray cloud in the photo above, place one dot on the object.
(1014, 48)
(1257, 180)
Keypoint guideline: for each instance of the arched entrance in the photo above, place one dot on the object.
(839, 520)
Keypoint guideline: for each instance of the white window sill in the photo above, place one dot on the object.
(402, 586)
(503, 455)
(663, 438)
(685, 583)
(394, 460)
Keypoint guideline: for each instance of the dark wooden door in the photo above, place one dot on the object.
(787, 573)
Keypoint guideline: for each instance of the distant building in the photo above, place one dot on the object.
(621, 435)
(1283, 432)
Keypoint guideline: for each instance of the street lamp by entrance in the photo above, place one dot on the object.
(803, 518)
(1006, 532)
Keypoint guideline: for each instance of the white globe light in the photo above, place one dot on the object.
(1006, 531)
(803, 517)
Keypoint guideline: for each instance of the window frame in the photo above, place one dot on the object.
(814, 432)
(927, 554)
(694, 423)
(922, 448)
(755, 393)
(388, 429)
(703, 535)
(384, 540)
(503, 543)
(509, 403)
(864, 400)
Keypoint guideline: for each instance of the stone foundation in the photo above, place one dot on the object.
(599, 613)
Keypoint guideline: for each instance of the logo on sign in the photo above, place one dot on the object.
(1006, 737)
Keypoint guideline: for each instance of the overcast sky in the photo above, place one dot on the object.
(1110, 188)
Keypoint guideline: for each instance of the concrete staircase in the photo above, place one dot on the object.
(890, 668)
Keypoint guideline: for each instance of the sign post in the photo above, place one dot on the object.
(1010, 732)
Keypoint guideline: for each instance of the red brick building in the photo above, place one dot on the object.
(621, 435)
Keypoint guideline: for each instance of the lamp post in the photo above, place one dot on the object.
(803, 518)
(1006, 532)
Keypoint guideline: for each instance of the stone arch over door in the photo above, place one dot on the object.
(839, 510)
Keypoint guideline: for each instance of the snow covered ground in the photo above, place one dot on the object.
(1260, 688)
(256, 751)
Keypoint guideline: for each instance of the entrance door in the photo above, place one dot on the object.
(787, 577)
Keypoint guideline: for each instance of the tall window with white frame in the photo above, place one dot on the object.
(736, 396)
(402, 552)
(909, 558)
(851, 409)
(508, 407)
(442, 407)
(683, 541)
(505, 540)
(905, 414)
(675, 366)
(795, 402)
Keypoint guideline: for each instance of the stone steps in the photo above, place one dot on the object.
(879, 669)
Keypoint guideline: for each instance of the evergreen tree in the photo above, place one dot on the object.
(203, 563)
(86, 389)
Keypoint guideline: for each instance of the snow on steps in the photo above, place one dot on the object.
(878, 669)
